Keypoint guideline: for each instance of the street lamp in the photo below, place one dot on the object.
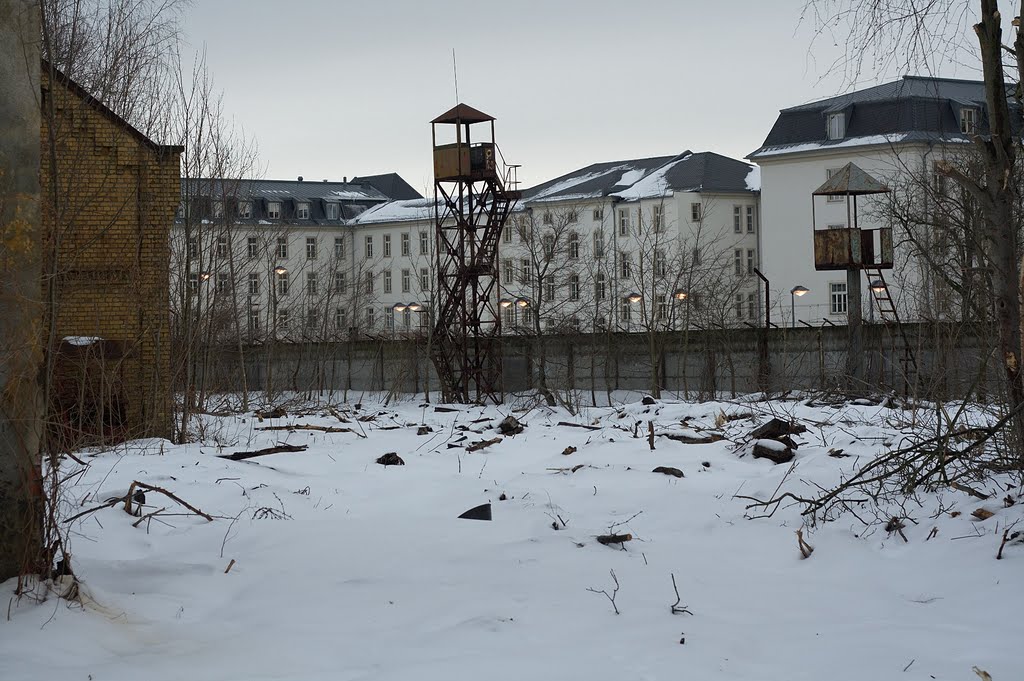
(280, 269)
(680, 294)
(522, 302)
(205, 276)
(634, 297)
(415, 307)
(793, 293)
(400, 307)
(877, 286)
(505, 303)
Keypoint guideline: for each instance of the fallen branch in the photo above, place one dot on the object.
(306, 426)
(166, 493)
(278, 449)
(609, 539)
(477, 446)
(690, 440)
(805, 549)
(612, 595)
(675, 608)
(578, 425)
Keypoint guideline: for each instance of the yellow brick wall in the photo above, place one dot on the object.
(108, 204)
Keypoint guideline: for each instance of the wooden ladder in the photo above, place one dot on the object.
(890, 317)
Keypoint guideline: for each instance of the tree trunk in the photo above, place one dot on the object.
(21, 400)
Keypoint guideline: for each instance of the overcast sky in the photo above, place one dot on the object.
(332, 88)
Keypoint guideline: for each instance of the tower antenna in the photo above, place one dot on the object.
(455, 69)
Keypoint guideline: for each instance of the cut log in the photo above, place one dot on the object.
(390, 459)
(568, 450)
(277, 449)
(773, 450)
(609, 539)
(669, 470)
(982, 513)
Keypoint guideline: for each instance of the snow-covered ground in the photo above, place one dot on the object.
(345, 569)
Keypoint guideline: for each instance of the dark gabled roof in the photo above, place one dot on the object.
(391, 185)
(463, 113)
(644, 178)
(911, 109)
(850, 180)
(353, 197)
(55, 74)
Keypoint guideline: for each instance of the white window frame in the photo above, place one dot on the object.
(836, 126)
(244, 209)
(331, 208)
(623, 222)
(387, 245)
(302, 210)
(282, 247)
(838, 298)
(368, 247)
(252, 245)
(310, 248)
(406, 280)
(273, 210)
(969, 120)
(406, 249)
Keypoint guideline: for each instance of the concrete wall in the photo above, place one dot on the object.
(951, 363)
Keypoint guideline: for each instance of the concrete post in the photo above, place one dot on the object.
(855, 329)
(21, 403)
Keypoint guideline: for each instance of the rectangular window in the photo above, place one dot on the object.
(572, 216)
(527, 316)
(302, 211)
(282, 247)
(599, 244)
(370, 319)
(218, 209)
(750, 219)
(507, 272)
(625, 266)
(368, 249)
(339, 247)
(739, 306)
(274, 210)
(332, 211)
(549, 287)
(222, 247)
(254, 284)
(424, 243)
(660, 263)
(406, 281)
(828, 176)
(282, 284)
(282, 319)
(574, 245)
(310, 248)
(548, 218)
(387, 245)
(623, 222)
(524, 272)
(510, 316)
(548, 244)
(696, 214)
(737, 219)
(312, 283)
(696, 255)
(837, 297)
(254, 320)
(252, 247)
(600, 286)
(406, 251)
(406, 318)
(192, 248)
(598, 214)
(222, 282)
(627, 310)
(751, 306)
(968, 120)
(387, 281)
(737, 257)
(193, 282)
(340, 319)
(661, 307)
(244, 209)
(368, 282)
(340, 283)
(601, 323)
(750, 261)
(836, 126)
(506, 234)
(312, 318)
(389, 318)
(424, 279)
(574, 287)
(656, 218)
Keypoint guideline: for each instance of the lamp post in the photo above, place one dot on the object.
(680, 296)
(793, 293)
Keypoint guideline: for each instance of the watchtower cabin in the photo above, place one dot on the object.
(845, 246)
(474, 190)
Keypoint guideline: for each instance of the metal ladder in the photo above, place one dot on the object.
(890, 317)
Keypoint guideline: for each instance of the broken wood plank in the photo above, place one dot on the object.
(277, 449)
(969, 490)
(578, 425)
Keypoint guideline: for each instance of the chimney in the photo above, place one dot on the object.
(344, 180)
(300, 178)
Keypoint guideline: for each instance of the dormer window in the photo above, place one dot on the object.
(302, 210)
(968, 120)
(836, 126)
(245, 209)
(274, 210)
(332, 211)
